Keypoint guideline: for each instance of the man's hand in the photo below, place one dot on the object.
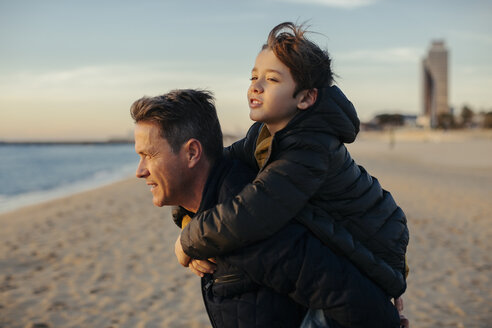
(183, 259)
(404, 322)
(200, 267)
(399, 304)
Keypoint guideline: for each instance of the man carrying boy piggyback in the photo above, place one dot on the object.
(305, 171)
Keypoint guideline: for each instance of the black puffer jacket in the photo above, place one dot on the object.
(231, 297)
(310, 169)
(250, 286)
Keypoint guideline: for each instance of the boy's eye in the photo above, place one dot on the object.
(272, 79)
(253, 78)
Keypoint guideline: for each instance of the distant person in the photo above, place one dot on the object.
(304, 170)
(270, 283)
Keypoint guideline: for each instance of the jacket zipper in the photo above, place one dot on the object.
(227, 278)
(205, 288)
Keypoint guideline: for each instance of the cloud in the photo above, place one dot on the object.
(345, 4)
(116, 84)
(389, 55)
(101, 81)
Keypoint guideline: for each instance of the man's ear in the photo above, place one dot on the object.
(307, 98)
(193, 152)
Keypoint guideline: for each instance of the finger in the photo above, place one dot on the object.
(196, 266)
(212, 260)
(205, 266)
(195, 271)
(209, 265)
(404, 322)
(399, 304)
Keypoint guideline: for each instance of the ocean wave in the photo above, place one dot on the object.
(97, 179)
(33, 174)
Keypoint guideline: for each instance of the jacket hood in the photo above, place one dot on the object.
(332, 113)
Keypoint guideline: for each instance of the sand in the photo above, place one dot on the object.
(104, 258)
(444, 185)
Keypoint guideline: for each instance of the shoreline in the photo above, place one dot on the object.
(33, 173)
(33, 198)
(418, 137)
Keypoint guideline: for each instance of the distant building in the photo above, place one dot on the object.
(410, 120)
(389, 121)
(435, 83)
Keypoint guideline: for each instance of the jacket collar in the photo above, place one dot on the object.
(210, 194)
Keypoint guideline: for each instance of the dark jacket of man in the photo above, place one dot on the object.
(308, 164)
(250, 286)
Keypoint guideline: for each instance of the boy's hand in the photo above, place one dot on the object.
(183, 259)
(200, 267)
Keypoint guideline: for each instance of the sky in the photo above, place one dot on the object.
(70, 70)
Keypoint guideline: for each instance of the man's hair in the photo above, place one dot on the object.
(183, 114)
(309, 65)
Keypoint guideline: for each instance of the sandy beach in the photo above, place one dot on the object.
(104, 258)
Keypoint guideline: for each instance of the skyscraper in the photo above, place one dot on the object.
(435, 82)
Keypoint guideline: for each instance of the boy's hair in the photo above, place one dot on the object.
(309, 65)
(182, 115)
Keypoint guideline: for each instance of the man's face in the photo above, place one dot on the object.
(270, 95)
(162, 169)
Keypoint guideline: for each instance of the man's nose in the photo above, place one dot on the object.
(142, 171)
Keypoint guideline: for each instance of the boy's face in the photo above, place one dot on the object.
(270, 95)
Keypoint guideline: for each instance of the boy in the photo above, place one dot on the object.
(305, 171)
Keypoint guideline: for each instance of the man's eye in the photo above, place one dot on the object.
(253, 78)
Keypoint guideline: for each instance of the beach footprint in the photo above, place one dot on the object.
(37, 325)
(40, 290)
(105, 277)
(58, 306)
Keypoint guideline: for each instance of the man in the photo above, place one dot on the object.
(268, 284)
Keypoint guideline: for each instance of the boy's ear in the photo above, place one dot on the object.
(307, 98)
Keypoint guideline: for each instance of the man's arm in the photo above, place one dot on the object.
(404, 322)
(263, 207)
(183, 259)
(198, 267)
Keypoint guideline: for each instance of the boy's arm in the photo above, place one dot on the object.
(243, 150)
(277, 194)
(293, 262)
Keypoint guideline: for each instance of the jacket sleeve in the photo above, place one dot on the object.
(263, 207)
(293, 262)
(337, 237)
(243, 150)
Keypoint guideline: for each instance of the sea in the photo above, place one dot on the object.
(32, 173)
